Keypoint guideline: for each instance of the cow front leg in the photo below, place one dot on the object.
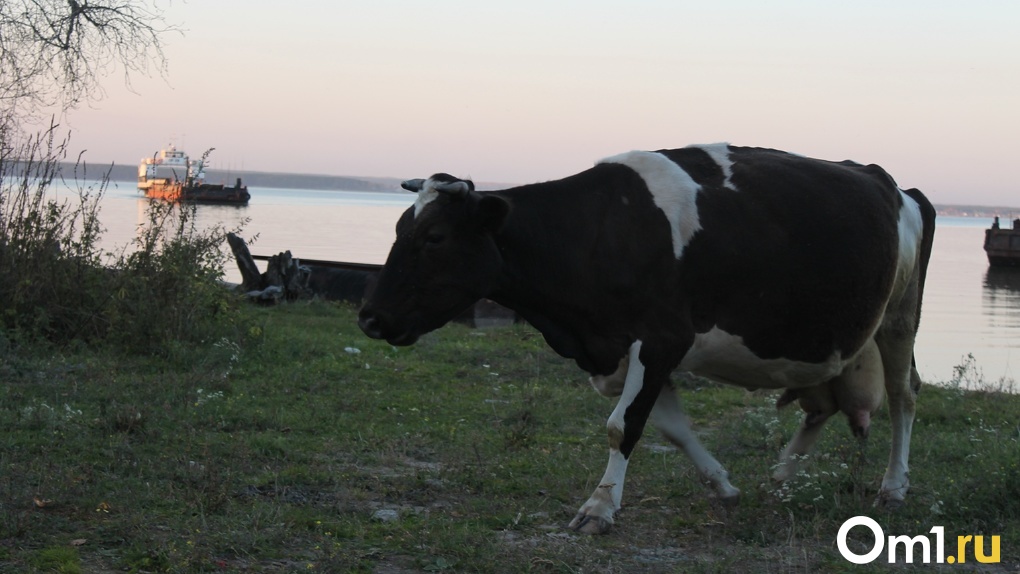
(596, 515)
(674, 424)
(624, 427)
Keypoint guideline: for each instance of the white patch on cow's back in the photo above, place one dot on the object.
(911, 231)
(673, 190)
(720, 154)
(724, 357)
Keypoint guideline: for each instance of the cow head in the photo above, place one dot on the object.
(443, 260)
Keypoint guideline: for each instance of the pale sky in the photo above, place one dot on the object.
(528, 91)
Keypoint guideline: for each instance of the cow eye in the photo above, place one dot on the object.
(434, 238)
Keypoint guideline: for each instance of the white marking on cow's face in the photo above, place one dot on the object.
(427, 195)
(724, 357)
(672, 189)
(911, 231)
(720, 154)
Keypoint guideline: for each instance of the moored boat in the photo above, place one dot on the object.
(172, 176)
(1003, 245)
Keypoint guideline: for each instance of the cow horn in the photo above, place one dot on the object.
(414, 185)
(453, 188)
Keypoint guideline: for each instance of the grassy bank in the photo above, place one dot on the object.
(299, 445)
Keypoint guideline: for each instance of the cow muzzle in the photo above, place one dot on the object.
(379, 326)
(370, 325)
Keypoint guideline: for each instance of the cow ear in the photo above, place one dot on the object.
(492, 213)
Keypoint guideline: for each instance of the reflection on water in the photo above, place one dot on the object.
(1003, 281)
(1000, 304)
(1000, 300)
(968, 308)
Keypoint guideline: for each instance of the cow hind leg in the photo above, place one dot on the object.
(612, 385)
(896, 352)
(895, 340)
(674, 424)
(818, 406)
(857, 392)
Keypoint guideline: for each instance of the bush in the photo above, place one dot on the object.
(58, 286)
(168, 291)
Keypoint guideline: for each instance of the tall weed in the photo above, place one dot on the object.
(49, 259)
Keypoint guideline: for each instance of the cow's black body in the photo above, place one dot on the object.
(751, 266)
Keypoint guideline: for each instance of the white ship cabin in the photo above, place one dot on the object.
(169, 164)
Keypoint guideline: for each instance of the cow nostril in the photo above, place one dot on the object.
(370, 325)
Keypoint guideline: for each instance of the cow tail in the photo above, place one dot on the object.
(927, 240)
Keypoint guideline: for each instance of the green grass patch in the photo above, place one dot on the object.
(304, 446)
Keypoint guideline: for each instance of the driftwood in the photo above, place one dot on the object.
(289, 278)
(251, 278)
(285, 277)
(286, 272)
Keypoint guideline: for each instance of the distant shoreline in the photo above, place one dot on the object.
(977, 211)
(129, 173)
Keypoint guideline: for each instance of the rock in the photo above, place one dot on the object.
(385, 515)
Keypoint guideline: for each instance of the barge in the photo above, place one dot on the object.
(1002, 245)
(171, 175)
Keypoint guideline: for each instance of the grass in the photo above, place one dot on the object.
(297, 445)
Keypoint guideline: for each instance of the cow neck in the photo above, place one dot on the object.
(536, 250)
(542, 277)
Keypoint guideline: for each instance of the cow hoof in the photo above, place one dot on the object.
(590, 524)
(729, 501)
(892, 494)
(784, 473)
(888, 503)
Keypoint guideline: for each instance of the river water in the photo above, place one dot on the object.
(969, 309)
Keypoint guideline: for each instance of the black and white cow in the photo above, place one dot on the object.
(749, 266)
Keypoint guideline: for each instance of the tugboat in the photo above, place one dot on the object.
(172, 176)
(1003, 245)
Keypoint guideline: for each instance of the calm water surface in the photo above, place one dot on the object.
(969, 309)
